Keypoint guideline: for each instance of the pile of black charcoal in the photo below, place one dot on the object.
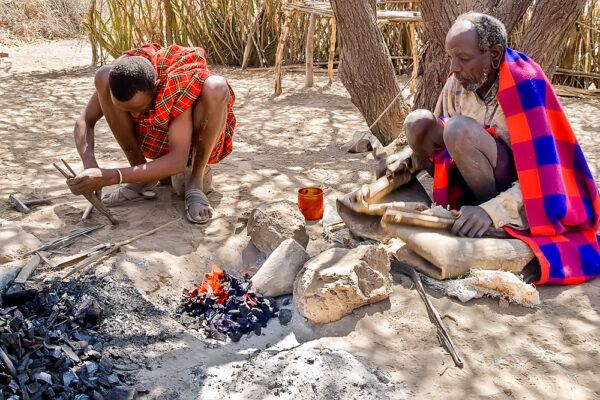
(50, 349)
(225, 307)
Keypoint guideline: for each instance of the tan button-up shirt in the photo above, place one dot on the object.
(506, 208)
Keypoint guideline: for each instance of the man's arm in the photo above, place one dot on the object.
(505, 209)
(84, 131)
(180, 138)
(175, 161)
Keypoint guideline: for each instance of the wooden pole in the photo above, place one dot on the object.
(279, 55)
(91, 197)
(331, 50)
(413, 49)
(310, 47)
(90, 20)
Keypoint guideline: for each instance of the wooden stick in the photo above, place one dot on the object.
(91, 198)
(442, 332)
(331, 50)
(431, 221)
(42, 255)
(81, 256)
(68, 167)
(279, 54)
(28, 269)
(113, 248)
(417, 219)
(413, 49)
(63, 241)
(87, 212)
(141, 235)
(310, 45)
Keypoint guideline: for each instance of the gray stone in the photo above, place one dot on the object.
(276, 276)
(338, 280)
(272, 223)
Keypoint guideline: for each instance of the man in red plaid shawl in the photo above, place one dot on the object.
(161, 104)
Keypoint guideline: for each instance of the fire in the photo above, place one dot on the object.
(213, 284)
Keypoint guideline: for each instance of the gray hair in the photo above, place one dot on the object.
(490, 31)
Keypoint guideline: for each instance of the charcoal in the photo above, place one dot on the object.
(90, 368)
(44, 377)
(50, 353)
(92, 383)
(105, 366)
(70, 378)
(97, 396)
(225, 308)
(257, 328)
(285, 316)
(33, 387)
(17, 295)
(121, 393)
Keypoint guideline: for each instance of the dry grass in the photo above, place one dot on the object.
(226, 28)
(28, 20)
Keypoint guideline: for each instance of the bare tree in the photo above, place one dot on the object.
(367, 72)
(550, 24)
(366, 69)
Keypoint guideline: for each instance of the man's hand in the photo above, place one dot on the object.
(92, 180)
(472, 222)
(394, 163)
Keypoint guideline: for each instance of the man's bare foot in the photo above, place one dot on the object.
(197, 206)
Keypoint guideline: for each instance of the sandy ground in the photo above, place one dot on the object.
(386, 350)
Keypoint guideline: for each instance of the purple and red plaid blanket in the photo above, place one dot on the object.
(559, 193)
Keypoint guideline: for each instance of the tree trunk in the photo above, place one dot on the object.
(550, 24)
(438, 17)
(366, 69)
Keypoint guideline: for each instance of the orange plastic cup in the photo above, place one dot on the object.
(310, 203)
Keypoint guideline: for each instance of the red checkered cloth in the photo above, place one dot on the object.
(559, 193)
(181, 72)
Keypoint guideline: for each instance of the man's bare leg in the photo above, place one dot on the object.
(475, 153)
(424, 132)
(121, 125)
(209, 117)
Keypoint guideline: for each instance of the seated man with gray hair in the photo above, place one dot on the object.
(502, 153)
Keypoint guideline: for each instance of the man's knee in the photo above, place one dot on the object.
(215, 89)
(417, 125)
(460, 132)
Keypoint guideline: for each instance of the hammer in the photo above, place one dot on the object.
(22, 206)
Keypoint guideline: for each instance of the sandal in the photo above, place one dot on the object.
(195, 196)
(126, 194)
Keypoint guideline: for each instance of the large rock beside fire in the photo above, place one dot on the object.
(339, 280)
(272, 223)
(276, 276)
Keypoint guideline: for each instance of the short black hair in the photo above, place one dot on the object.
(129, 75)
(490, 31)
